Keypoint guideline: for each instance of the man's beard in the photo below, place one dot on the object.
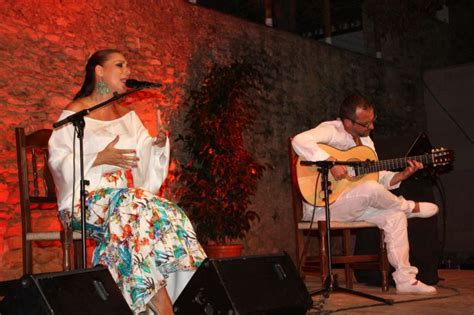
(364, 134)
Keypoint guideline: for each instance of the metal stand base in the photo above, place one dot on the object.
(331, 285)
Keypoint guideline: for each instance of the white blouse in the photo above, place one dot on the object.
(150, 173)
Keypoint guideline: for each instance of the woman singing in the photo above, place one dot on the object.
(146, 242)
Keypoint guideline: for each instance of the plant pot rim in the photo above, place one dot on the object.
(223, 245)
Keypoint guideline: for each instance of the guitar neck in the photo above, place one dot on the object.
(392, 164)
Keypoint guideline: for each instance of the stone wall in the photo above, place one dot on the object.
(44, 45)
(412, 37)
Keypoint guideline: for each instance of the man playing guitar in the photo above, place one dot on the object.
(367, 200)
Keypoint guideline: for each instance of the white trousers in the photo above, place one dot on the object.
(372, 202)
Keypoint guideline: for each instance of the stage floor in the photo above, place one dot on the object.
(455, 296)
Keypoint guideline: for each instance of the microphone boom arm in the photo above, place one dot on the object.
(79, 115)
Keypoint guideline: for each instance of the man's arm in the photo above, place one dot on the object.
(412, 167)
(306, 145)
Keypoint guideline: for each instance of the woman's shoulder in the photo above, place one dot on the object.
(123, 110)
(76, 105)
(118, 110)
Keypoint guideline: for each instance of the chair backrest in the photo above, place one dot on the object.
(37, 190)
(295, 190)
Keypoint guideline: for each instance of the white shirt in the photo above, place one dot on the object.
(152, 167)
(332, 133)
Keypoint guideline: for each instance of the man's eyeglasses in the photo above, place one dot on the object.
(365, 125)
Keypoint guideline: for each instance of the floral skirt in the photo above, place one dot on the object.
(141, 239)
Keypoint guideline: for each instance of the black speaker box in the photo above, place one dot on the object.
(86, 291)
(266, 284)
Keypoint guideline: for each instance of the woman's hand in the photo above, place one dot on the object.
(162, 133)
(124, 158)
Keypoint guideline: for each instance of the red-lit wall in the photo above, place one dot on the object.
(44, 46)
(43, 49)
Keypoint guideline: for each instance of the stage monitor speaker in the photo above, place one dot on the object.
(86, 291)
(245, 285)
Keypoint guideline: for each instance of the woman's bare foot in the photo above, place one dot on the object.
(161, 303)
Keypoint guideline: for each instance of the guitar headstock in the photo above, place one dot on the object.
(442, 156)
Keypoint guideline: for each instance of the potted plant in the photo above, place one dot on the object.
(221, 175)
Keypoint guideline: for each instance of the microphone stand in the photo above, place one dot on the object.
(77, 119)
(330, 283)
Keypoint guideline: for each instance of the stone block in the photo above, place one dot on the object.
(14, 229)
(44, 256)
(14, 242)
(12, 259)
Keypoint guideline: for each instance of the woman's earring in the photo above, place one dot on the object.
(102, 87)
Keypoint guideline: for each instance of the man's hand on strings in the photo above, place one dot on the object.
(411, 168)
(338, 171)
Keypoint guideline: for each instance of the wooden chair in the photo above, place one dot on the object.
(38, 195)
(302, 230)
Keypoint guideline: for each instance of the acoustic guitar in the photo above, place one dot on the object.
(366, 168)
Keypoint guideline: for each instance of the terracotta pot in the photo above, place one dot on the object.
(220, 251)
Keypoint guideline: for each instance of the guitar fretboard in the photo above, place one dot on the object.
(386, 165)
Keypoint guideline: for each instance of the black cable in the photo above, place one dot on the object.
(439, 185)
(447, 113)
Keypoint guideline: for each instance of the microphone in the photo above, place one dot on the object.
(132, 83)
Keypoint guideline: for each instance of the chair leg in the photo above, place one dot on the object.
(300, 252)
(346, 243)
(27, 258)
(77, 254)
(323, 254)
(66, 239)
(384, 267)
